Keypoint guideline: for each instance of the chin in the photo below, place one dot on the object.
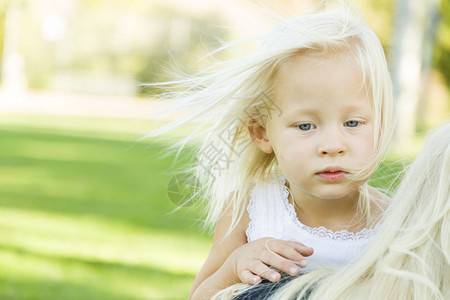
(334, 195)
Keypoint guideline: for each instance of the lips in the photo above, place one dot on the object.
(332, 174)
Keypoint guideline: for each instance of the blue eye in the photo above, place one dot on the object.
(306, 127)
(352, 123)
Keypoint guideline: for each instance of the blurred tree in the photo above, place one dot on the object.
(414, 20)
(105, 45)
(442, 52)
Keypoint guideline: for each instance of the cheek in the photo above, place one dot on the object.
(282, 153)
(290, 156)
(367, 144)
(282, 156)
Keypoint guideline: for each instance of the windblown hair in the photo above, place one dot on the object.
(409, 257)
(230, 96)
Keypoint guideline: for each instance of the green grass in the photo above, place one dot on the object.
(84, 212)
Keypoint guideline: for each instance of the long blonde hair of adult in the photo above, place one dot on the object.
(409, 257)
(231, 95)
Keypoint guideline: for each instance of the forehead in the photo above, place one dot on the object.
(312, 77)
(310, 66)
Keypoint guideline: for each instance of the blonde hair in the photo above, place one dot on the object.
(234, 94)
(409, 257)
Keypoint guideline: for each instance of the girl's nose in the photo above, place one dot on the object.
(332, 145)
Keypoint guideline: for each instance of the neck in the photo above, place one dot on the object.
(334, 214)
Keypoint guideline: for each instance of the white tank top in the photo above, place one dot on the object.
(271, 215)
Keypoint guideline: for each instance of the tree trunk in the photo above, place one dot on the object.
(411, 25)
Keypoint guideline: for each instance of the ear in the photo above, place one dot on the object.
(259, 137)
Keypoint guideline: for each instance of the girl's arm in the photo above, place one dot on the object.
(233, 260)
(205, 284)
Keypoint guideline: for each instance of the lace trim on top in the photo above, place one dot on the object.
(321, 231)
(251, 229)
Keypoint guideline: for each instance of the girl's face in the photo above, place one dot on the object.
(324, 131)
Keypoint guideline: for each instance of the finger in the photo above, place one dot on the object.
(280, 263)
(250, 278)
(259, 268)
(301, 248)
(286, 251)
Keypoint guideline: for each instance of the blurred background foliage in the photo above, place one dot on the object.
(84, 210)
(93, 45)
(111, 47)
(442, 48)
(129, 37)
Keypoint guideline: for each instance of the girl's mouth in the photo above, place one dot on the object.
(332, 174)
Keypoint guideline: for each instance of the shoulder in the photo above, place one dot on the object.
(226, 230)
(269, 212)
(265, 192)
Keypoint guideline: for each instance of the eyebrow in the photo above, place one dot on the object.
(313, 110)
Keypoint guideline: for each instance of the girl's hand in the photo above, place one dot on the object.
(253, 260)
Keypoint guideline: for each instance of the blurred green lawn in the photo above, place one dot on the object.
(84, 212)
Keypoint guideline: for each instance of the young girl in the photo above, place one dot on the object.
(410, 255)
(295, 131)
